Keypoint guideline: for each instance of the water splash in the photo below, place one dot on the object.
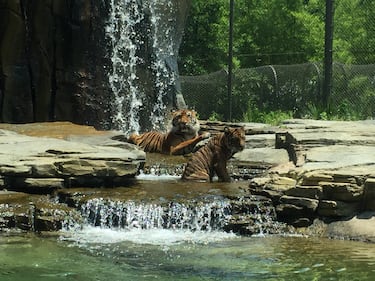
(107, 221)
(164, 48)
(197, 216)
(124, 16)
(127, 19)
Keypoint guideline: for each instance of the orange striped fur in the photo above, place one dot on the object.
(212, 158)
(180, 139)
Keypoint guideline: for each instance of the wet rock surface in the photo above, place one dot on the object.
(315, 177)
(43, 164)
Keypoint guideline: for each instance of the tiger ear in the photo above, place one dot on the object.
(226, 129)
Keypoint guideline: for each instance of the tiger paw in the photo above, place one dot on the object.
(205, 135)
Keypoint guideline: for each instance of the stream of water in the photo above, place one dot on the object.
(105, 254)
(141, 240)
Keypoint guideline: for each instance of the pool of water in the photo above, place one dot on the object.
(104, 254)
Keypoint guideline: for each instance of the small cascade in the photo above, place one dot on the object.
(193, 216)
(254, 215)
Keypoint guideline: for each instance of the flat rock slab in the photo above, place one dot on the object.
(339, 156)
(45, 162)
(361, 227)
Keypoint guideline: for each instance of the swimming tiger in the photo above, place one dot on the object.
(212, 158)
(180, 139)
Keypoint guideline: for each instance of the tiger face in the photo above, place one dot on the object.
(184, 121)
(235, 139)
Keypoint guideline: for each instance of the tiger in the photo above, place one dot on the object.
(181, 138)
(213, 156)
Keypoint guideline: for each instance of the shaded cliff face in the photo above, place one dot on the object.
(54, 61)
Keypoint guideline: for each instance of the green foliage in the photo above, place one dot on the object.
(280, 32)
(253, 114)
(204, 43)
(275, 32)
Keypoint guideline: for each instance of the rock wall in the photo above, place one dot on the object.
(53, 61)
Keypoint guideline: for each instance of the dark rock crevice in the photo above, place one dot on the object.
(25, 7)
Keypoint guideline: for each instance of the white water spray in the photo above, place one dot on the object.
(125, 17)
(197, 216)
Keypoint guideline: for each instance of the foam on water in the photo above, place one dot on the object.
(161, 177)
(163, 237)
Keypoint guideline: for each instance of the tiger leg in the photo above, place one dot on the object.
(187, 146)
(222, 172)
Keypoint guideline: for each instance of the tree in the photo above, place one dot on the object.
(265, 32)
(204, 43)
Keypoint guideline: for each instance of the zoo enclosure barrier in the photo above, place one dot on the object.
(297, 89)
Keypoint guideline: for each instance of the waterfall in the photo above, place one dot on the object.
(143, 52)
(194, 216)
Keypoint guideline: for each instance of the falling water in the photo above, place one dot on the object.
(127, 19)
(163, 47)
(197, 216)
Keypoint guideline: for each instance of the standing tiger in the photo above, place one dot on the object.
(180, 139)
(212, 158)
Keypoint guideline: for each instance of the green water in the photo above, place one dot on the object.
(110, 255)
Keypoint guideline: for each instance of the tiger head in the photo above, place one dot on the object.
(234, 139)
(184, 121)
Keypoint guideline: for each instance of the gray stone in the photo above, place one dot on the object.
(49, 183)
(330, 208)
(369, 194)
(312, 192)
(342, 191)
(306, 203)
(262, 156)
(293, 215)
(337, 156)
(360, 227)
(46, 162)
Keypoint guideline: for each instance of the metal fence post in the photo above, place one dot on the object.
(230, 59)
(328, 50)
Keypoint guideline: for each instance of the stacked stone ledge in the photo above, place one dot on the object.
(300, 204)
(330, 176)
(41, 166)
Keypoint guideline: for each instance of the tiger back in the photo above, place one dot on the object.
(180, 139)
(212, 158)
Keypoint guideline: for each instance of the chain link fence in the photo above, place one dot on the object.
(298, 89)
(291, 88)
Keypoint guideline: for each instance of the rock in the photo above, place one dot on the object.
(35, 185)
(337, 156)
(336, 209)
(42, 165)
(312, 192)
(360, 227)
(342, 191)
(369, 194)
(293, 215)
(314, 178)
(282, 183)
(56, 58)
(309, 205)
(262, 157)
